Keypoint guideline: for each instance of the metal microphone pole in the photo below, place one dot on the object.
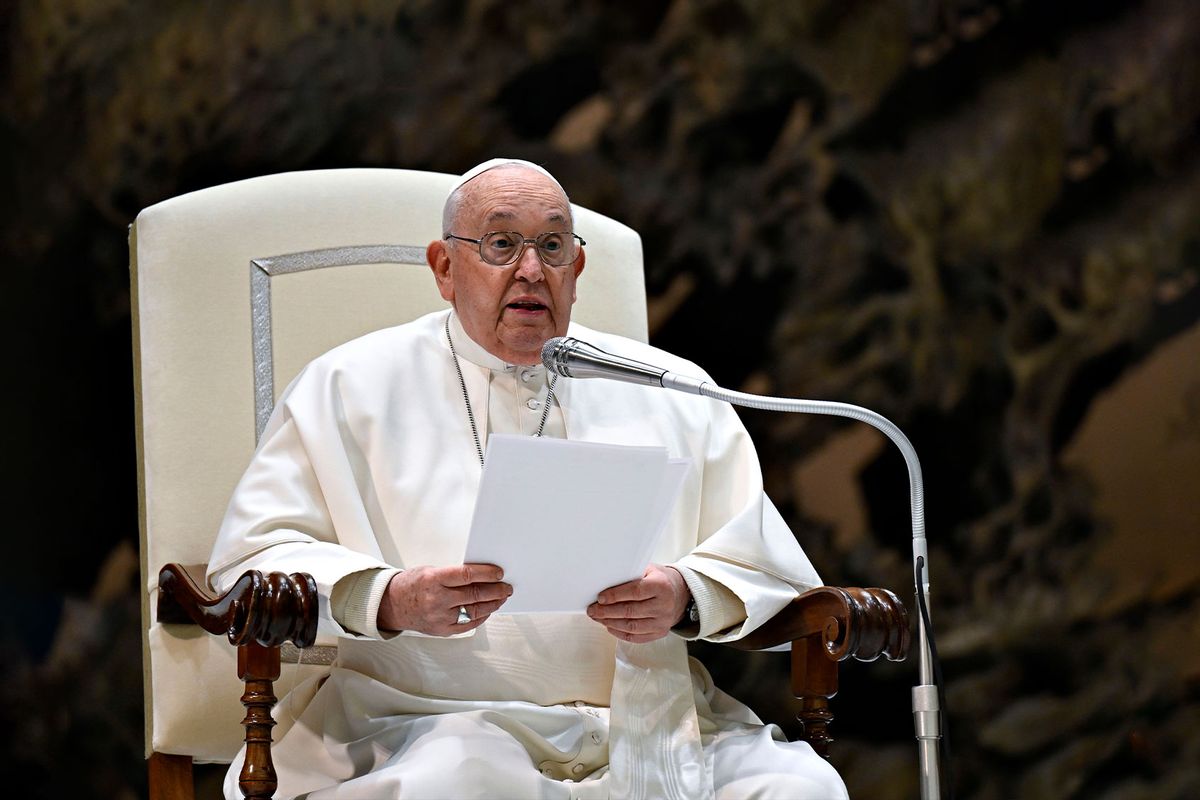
(925, 700)
(573, 358)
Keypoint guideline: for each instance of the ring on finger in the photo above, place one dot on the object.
(464, 618)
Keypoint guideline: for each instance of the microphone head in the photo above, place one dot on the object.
(573, 358)
(552, 353)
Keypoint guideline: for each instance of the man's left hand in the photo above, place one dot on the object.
(645, 609)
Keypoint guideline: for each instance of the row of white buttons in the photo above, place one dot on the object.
(575, 770)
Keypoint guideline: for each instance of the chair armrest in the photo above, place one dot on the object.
(853, 623)
(268, 610)
(827, 625)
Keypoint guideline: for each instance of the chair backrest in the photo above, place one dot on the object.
(235, 288)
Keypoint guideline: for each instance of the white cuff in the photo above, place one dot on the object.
(719, 607)
(355, 599)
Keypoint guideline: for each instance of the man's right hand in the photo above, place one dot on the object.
(427, 599)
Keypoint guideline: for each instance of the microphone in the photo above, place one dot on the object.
(574, 358)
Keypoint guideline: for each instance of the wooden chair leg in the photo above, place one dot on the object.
(258, 667)
(814, 683)
(170, 777)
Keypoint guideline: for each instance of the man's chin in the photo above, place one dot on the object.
(526, 348)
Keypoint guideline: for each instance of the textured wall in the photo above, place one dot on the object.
(979, 218)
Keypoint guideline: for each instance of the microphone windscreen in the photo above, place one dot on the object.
(550, 350)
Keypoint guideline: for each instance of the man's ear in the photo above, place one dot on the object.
(438, 257)
(578, 267)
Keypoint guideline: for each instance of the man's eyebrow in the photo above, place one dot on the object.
(501, 215)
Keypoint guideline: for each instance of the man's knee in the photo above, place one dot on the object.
(470, 777)
(758, 767)
(817, 785)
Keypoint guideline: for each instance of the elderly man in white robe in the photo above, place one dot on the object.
(365, 477)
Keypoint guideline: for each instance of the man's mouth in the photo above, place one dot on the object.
(527, 305)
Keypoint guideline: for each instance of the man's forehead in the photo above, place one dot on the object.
(505, 194)
(497, 190)
(509, 176)
(506, 214)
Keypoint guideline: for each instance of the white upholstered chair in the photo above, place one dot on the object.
(234, 289)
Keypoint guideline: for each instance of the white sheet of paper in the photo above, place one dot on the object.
(567, 520)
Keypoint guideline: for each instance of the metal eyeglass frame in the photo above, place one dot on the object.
(525, 242)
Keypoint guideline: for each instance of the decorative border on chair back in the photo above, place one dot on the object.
(207, 366)
(261, 272)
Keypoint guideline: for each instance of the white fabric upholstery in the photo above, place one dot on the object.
(194, 382)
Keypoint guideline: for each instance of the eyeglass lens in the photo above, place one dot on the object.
(504, 247)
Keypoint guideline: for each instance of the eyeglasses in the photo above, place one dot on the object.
(501, 248)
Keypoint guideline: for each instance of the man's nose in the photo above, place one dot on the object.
(529, 265)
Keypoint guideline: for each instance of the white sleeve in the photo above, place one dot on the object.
(279, 518)
(744, 543)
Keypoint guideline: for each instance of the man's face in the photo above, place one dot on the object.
(511, 311)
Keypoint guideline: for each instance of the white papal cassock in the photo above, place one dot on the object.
(368, 463)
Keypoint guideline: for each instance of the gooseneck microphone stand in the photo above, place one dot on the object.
(573, 358)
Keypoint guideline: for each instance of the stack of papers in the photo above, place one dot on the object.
(566, 520)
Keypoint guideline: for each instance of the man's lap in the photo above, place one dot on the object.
(337, 749)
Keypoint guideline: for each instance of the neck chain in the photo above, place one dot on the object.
(462, 384)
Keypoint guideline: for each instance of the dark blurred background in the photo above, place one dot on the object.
(981, 219)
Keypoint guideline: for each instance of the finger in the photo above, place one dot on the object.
(628, 610)
(454, 627)
(632, 626)
(638, 638)
(467, 574)
(448, 624)
(477, 610)
(479, 593)
(638, 589)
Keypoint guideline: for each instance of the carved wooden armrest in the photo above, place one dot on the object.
(268, 610)
(827, 625)
(258, 614)
(854, 623)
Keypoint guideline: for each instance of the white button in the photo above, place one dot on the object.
(533, 404)
(527, 375)
(580, 704)
(597, 738)
(547, 772)
(577, 769)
